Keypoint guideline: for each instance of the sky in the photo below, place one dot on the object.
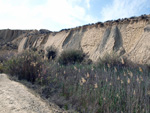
(55, 15)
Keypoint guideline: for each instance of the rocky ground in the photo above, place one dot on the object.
(16, 98)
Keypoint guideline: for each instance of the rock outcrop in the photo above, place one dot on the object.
(125, 37)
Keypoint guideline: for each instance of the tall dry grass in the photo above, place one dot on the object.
(108, 88)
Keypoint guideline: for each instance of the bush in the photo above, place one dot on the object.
(25, 66)
(148, 67)
(1, 68)
(113, 60)
(5, 55)
(71, 57)
(51, 52)
(34, 49)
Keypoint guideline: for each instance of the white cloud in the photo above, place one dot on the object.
(88, 3)
(18, 14)
(122, 9)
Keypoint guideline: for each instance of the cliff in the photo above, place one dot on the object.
(129, 37)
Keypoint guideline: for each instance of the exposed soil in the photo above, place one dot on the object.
(16, 98)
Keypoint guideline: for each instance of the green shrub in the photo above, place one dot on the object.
(71, 57)
(5, 55)
(1, 68)
(108, 59)
(25, 66)
(148, 67)
(34, 49)
(113, 60)
(51, 52)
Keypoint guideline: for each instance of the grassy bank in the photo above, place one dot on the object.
(108, 86)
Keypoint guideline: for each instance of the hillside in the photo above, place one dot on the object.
(127, 37)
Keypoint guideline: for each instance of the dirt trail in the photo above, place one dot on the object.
(16, 98)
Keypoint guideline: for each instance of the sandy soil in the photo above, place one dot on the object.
(16, 98)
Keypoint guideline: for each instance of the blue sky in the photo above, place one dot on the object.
(60, 14)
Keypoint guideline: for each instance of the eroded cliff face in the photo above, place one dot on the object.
(126, 37)
(7, 37)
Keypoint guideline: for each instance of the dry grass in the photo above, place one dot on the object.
(93, 88)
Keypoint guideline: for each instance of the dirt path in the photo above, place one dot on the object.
(16, 98)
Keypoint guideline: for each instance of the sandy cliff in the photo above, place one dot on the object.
(126, 37)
